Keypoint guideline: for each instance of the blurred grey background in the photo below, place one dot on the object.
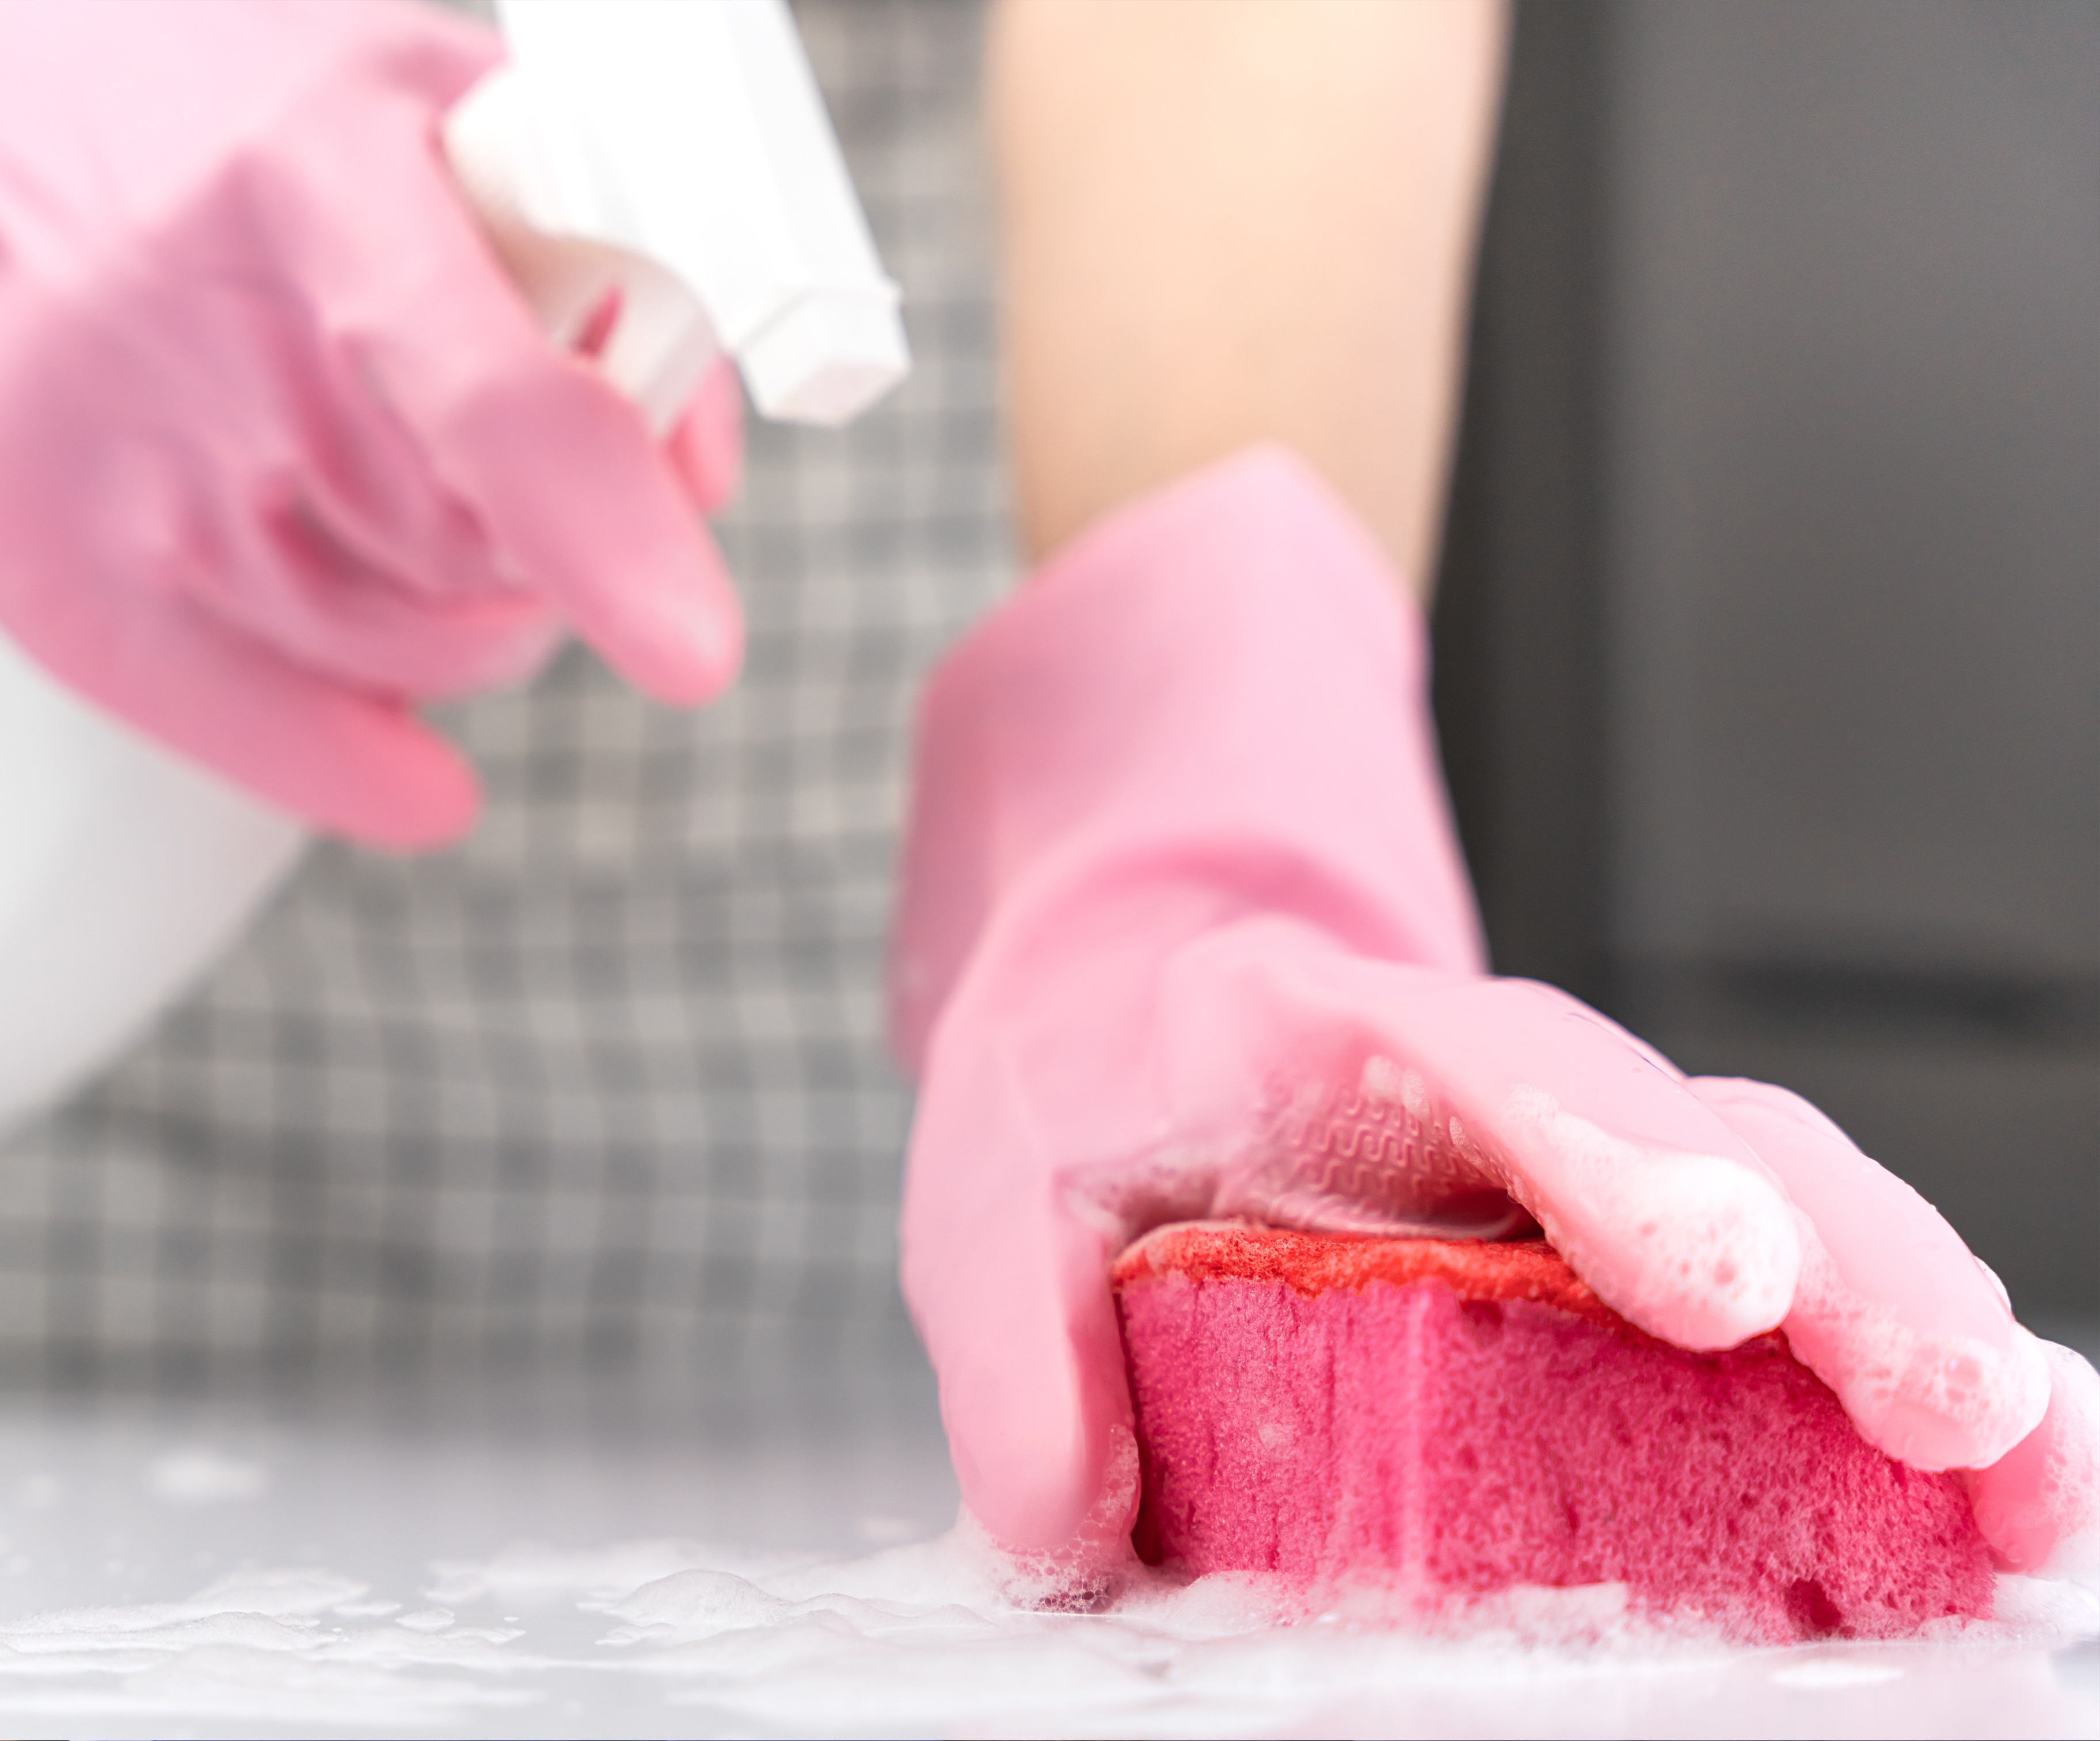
(1769, 637)
(1765, 665)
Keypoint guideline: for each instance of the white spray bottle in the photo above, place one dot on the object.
(675, 153)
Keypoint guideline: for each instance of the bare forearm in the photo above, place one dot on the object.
(1225, 221)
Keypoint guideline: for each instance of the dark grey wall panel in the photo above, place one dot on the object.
(1520, 655)
(1768, 656)
(1854, 485)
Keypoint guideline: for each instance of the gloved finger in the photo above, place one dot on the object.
(347, 553)
(1010, 1293)
(307, 575)
(1893, 1311)
(1653, 1199)
(706, 449)
(560, 471)
(2038, 1505)
(349, 762)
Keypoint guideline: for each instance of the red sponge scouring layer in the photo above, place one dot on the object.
(1471, 1416)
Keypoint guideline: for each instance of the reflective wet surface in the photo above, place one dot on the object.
(556, 1561)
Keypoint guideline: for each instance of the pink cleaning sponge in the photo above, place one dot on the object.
(1471, 1416)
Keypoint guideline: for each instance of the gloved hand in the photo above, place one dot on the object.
(281, 450)
(1185, 934)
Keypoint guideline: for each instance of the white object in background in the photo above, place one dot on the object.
(678, 156)
(123, 871)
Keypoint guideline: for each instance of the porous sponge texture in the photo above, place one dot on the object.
(1470, 1415)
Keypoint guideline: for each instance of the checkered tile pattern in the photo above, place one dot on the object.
(607, 1084)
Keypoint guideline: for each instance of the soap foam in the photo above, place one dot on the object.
(928, 1637)
(256, 1643)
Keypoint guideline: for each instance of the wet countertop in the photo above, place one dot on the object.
(547, 1561)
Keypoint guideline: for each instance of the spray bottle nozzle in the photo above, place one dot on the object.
(674, 161)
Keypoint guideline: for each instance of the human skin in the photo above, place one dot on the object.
(1226, 221)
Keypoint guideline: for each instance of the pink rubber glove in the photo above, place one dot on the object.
(281, 451)
(1890, 1312)
(1185, 934)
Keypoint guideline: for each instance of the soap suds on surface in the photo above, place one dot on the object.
(366, 1589)
(257, 1643)
(924, 1637)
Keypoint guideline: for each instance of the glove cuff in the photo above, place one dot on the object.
(1223, 682)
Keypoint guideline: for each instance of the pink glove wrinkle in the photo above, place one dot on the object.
(281, 451)
(1185, 933)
